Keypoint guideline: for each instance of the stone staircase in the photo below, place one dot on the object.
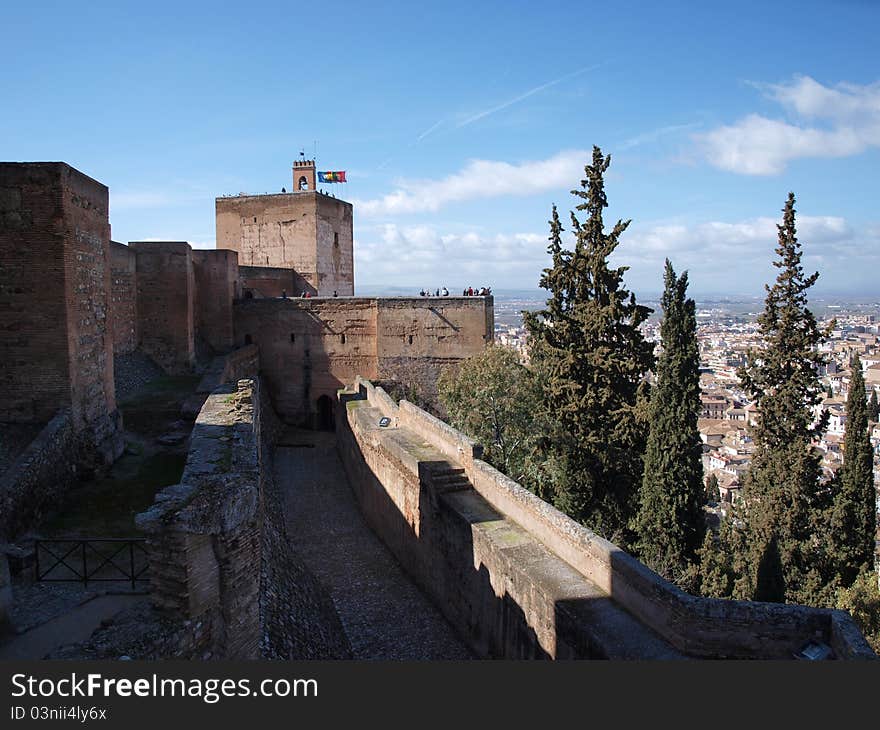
(446, 478)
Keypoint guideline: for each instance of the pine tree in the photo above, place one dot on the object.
(590, 356)
(782, 491)
(854, 516)
(670, 524)
(873, 407)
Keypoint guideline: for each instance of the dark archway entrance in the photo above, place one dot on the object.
(325, 413)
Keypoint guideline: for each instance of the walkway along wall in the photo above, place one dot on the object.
(520, 579)
(219, 556)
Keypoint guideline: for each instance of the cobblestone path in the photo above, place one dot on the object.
(384, 614)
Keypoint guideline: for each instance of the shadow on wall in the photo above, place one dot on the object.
(433, 537)
(518, 579)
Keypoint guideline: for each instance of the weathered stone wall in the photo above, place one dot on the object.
(33, 309)
(418, 337)
(165, 303)
(216, 286)
(218, 554)
(306, 231)
(260, 282)
(335, 254)
(309, 348)
(123, 299)
(46, 469)
(54, 303)
(521, 579)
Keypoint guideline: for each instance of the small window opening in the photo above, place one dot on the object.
(336, 239)
(410, 339)
(248, 340)
(292, 337)
(343, 339)
(255, 219)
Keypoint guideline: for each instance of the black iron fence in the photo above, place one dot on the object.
(92, 560)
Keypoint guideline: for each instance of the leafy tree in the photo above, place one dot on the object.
(590, 356)
(862, 600)
(782, 491)
(873, 407)
(495, 400)
(715, 574)
(670, 523)
(854, 515)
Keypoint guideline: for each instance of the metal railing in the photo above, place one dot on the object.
(92, 560)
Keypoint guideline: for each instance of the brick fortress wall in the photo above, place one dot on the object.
(309, 348)
(306, 231)
(165, 303)
(216, 286)
(55, 302)
(123, 299)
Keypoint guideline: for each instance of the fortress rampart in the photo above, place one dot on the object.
(307, 231)
(520, 579)
(309, 348)
(221, 567)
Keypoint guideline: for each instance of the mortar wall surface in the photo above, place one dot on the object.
(123, 298)
(309, 348)
(216, 279)
(165, 303)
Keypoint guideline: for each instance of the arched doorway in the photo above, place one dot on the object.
(325, 413)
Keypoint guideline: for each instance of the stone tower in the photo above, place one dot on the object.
(303, 175)
(304, 230)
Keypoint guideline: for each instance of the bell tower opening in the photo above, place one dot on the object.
(303, 175)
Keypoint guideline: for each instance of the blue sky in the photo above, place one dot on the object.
(459, 124)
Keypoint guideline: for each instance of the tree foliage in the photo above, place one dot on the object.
(873, 407)
(495, 400)
(854, 514)
(670, 523)
(782, 491)
(588, 351)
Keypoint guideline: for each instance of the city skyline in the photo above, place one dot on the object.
(459, 128)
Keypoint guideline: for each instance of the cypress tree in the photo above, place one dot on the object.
(590, 356)
(873, 407)
(854, 515)
(769, 581)
(713, 493)
(782, 491)
(670, 524)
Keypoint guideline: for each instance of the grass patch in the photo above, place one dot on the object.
(106, 507)
(153, 408)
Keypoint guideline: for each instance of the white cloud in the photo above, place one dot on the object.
(849, 115)
(424, 255)
(479, 179)
(721, 256)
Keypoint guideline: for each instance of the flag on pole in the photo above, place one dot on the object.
(332, 177)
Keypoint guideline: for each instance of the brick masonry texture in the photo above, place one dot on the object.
(40, 475)
(165, 303)
(57, 345)
(309, 348)
(216, 286)
(123, 299)
(309, 232)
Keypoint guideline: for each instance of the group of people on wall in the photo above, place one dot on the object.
(471, 291)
